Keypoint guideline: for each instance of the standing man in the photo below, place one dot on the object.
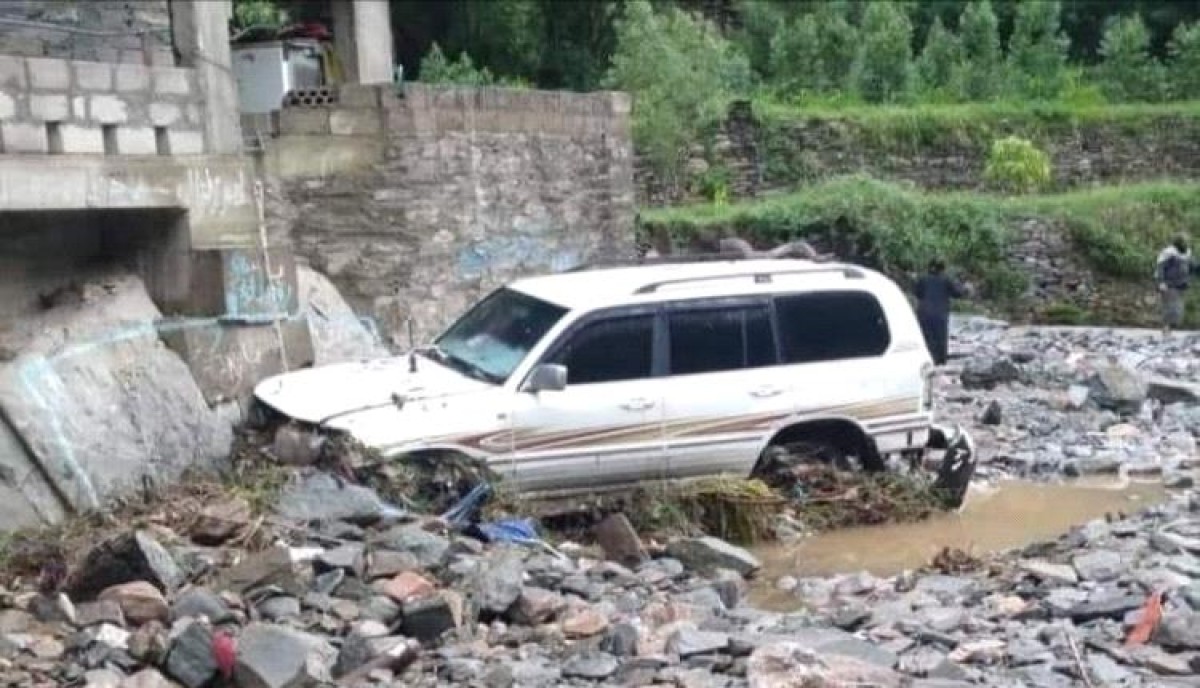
(934, 292)
(1172, 272)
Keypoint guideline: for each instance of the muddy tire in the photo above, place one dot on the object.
(780, 458)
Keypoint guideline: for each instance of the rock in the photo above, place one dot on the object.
(200, 602)
(1100, 566)
(125, 558)
(689, 642)
(96, 613)
(1054, 573)
(149, 644)
(1110, 606)
(791, 665)
(427, 619)
(730, 586)
(1118, 387)
(1165, 664)
(190, 660)
(536, 606)
(408, 586)
(707, 554)
(987, 651)
(323, 497)
(221, 521)
(993, 414)
(498, 583)
(380, 608)
(139, 601)
(102, 678)
(271, 567)
(386, 563)
(111, 636)
(1179, 631)
(593, 666)
(293, 446)
(1170, 391)
(15, 621)
(279, 608)
(620, 541)
(980, 374)
(349, 558)
(146, 678)
(429, 549)
(921, 661)
(584, 622)
(46, 647)
(1077, 396)
(622, 640)
(272, 656)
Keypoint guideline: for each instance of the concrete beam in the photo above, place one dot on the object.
(201, 32)
(216, 191)
(362, 35)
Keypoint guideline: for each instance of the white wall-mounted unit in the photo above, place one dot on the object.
(267, 71)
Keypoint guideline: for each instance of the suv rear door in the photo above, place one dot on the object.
(606, 425)
(724, 388)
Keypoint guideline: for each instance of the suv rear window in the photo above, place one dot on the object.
(611, 350)
(831, 326)
(715, 339)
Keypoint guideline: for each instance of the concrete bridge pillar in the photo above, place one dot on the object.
(362, 32)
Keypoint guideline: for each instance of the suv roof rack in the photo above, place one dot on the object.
(760, 276)
(671, 259)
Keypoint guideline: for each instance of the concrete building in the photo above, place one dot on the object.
(121, 154)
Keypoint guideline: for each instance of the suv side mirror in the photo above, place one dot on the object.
(547, 377)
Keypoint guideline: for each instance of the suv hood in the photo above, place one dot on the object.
(316, 395)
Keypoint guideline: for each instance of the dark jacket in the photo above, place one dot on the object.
(934, 293)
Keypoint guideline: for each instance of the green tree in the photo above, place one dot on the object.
(1185, 62)
(437, 69)
(979, 31)
(1128, 71)
(1037, 51)
(761, 22)
(885, 68)
(796, 58)
(939, 67)
(838, 45)
(681, 74)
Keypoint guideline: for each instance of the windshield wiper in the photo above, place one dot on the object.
(460, 364)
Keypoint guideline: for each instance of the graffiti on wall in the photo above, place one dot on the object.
(253, 293)
(506, 254)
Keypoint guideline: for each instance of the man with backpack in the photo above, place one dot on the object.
(1172, 272)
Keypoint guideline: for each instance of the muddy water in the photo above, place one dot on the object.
(1008, 515)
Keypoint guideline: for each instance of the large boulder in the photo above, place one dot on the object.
(1118, 387)
(707, 554)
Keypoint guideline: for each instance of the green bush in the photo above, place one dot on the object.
(892, 228)
(1129, 72)
(940, 66)
(1185, 61)
(681, 73)
(796, 59)
(437, 69)
(980, 34)
(885, 67)
(1016, 165)
(1037, 50)
(1063, 313)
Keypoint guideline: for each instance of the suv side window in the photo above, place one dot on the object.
(711, 340)
(610, 350)
(831, 326)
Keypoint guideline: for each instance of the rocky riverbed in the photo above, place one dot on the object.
(333, 586)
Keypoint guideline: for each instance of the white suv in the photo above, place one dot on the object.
(602, 377)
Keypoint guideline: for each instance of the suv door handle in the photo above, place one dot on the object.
(766, 391)
(638, 404)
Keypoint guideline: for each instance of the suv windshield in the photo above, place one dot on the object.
(496, 335)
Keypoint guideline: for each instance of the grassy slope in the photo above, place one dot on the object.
(1119, 229)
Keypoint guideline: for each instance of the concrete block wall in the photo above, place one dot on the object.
(137, 32)
(416, 206)
(53, 105)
